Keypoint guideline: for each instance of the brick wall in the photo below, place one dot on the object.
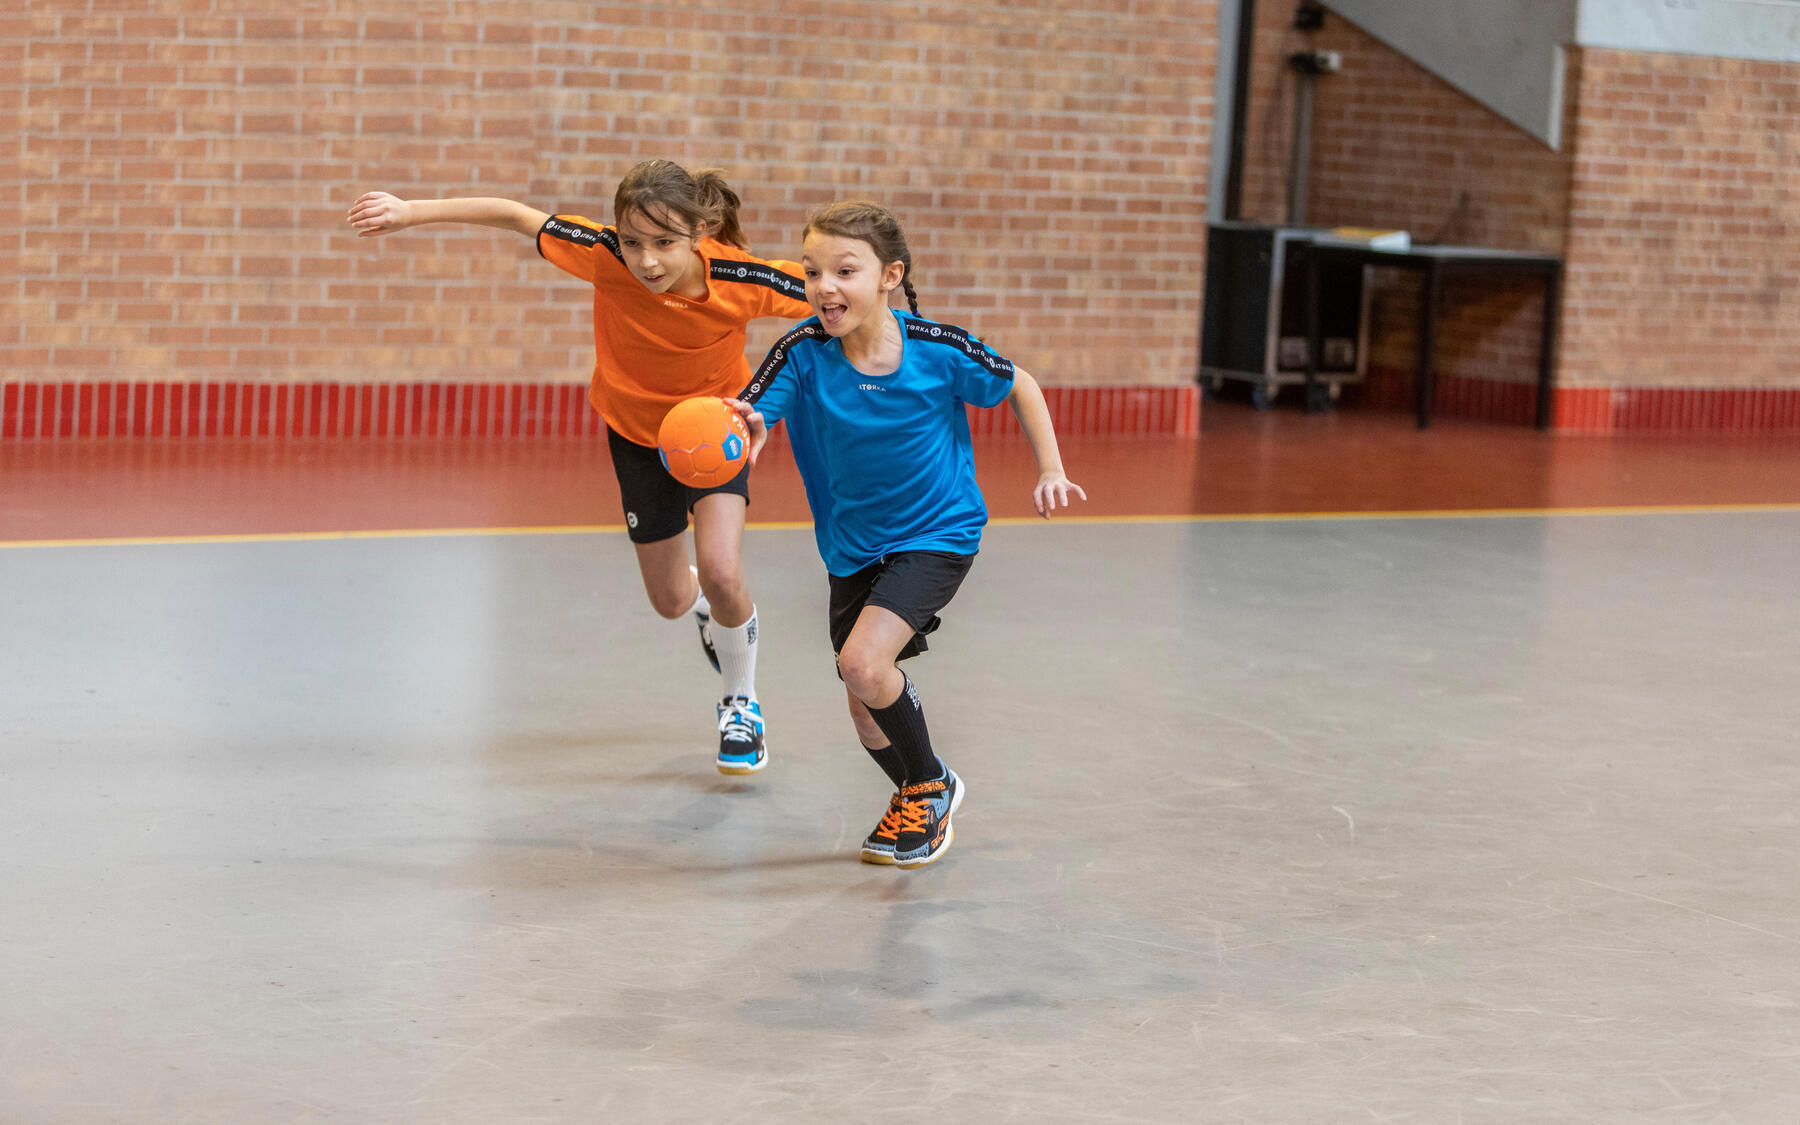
(1396, 146)
(179, 173)
(1670, 202)
(1684, 227)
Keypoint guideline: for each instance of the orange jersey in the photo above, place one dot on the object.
(651, 350)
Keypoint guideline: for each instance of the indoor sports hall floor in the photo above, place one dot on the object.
(1318, 770)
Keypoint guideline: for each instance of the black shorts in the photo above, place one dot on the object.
(912, 585)
(656, 504)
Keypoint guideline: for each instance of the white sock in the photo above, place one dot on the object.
(700, 606)
(737, 656)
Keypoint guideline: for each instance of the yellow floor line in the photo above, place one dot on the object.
(1008, 521)
(303, 536)
(1421, 514)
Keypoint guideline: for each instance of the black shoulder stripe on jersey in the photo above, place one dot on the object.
(951, 336)
(777, 359)
(758, 274)
(580, 235)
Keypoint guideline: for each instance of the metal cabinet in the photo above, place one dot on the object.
(1253, 316)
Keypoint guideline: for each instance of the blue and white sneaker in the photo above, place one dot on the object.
(704, 620)
(741, 747)
(925, 811)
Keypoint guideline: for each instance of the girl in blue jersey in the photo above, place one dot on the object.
(874, 402)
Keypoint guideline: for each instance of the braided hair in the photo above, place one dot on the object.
(875, 225)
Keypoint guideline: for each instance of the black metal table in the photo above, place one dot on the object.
(1436, 262)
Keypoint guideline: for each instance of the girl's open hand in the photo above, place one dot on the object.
(379, 213)
(759, 433)
(1052, 489)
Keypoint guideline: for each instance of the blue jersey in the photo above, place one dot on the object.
(886, 459)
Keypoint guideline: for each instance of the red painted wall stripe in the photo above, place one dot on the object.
(525, 410)
(1599, 409)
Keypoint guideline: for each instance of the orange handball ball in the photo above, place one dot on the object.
(704, 442)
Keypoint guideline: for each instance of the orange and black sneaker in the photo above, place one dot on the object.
(925, 811)
(879, 847)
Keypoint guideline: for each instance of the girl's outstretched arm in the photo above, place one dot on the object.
(1053, 487)
(379, 213)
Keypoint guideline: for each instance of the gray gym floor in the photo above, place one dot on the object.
(1425, 820)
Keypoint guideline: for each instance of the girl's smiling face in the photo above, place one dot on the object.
(845, 284)
(666, 260)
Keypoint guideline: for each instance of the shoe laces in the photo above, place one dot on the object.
(918, 804)
(735, 724)
(916, 816)
(890, 820)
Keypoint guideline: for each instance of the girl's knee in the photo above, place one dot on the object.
(720, 578)
(669, 605)
(864, 672)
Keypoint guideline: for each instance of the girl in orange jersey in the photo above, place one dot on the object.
(674, 287)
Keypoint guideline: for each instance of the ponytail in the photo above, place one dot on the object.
(716, 198)
(660, 190)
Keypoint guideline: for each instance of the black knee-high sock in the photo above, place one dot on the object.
(903, 721)
(889, 761)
